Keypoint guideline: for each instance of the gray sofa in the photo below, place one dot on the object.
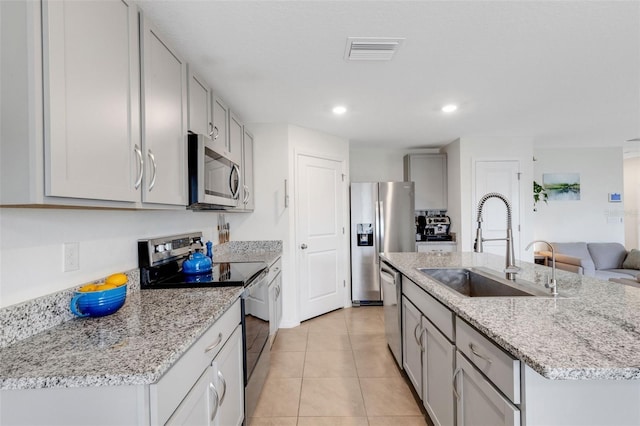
(600, 260)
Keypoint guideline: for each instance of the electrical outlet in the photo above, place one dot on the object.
(71, 257)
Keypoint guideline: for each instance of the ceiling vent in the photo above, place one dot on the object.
(371, 48)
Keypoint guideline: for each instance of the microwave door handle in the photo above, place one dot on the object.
(234, 190)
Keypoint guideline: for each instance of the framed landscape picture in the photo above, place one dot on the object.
(562, 186)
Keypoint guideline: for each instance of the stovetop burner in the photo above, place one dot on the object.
(160, 261)
(222, 275)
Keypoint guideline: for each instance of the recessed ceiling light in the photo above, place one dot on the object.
(449, 108)
(339, 110)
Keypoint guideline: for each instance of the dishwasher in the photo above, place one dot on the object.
(390, 282)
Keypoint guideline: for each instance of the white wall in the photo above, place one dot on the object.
(269, 221)
(493, 148)
(592, 218)
(380, 165)
(632, 202)
(31, 245)
(454, 187)
(275, 151)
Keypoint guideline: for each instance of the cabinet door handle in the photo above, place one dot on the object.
(224, 386)
(215, 132)
(211, 129)
(418, 339)
(214, 344)
(455, 390)
(138, 152)
(153, 176)
(247, 193)
(215, 401)
(479, 355)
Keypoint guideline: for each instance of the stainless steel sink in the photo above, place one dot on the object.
(477, 282)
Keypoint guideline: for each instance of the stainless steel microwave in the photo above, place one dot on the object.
(214, 175)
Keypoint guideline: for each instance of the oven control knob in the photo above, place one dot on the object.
(168, 246)
(159, 248)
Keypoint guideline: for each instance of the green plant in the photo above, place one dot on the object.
(538, 191)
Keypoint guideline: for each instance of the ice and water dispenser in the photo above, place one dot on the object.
(365, 234)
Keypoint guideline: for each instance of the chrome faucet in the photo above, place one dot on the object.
(552, 285)
(510, 269)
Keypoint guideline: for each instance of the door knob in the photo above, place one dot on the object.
(303, 246)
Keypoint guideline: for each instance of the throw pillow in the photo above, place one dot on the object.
(632, 261)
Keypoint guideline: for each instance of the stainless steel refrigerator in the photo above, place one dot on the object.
(382, 220)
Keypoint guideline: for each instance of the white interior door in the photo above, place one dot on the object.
(320, 235)
(501, 177)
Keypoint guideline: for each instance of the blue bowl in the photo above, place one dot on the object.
(98, 303)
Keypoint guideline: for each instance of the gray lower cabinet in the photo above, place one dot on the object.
(217, 398)
(411, 344)
(205, 386)
(438, 360)
(478, 402)
(197, 407)
(275, 299)
(428, 360)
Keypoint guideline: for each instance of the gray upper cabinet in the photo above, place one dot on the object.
(91, 99)
(200, 119)
(241, 145)
(429, 172)
(164, 119)
(247, 172)
(235, 136)
(220, 119)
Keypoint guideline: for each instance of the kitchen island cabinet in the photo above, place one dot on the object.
(427, 329)
(524, 360)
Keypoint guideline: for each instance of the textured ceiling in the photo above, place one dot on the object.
(559, 73)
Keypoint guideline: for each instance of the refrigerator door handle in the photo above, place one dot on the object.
(379, 229)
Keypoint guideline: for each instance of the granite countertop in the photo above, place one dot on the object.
(248, 251)
(592, 331)
(134, 346)
(45, 346)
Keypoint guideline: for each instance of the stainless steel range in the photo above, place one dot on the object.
(161, 266)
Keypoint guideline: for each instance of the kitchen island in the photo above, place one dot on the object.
(580, 350)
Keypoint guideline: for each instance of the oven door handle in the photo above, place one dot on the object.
(256, 282)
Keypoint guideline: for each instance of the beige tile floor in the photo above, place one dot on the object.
(336, 370)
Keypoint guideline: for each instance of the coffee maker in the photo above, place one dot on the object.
(433, 228)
